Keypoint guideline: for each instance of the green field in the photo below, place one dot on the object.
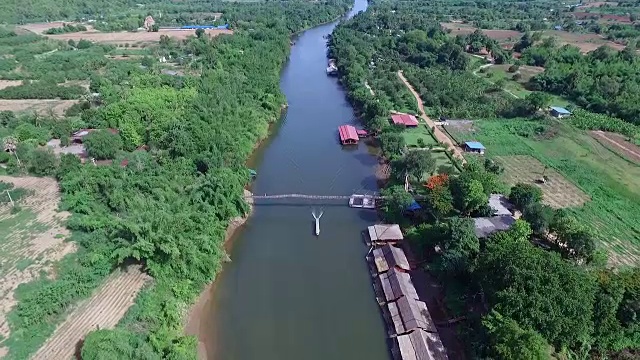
(611, 182)
(411, 136)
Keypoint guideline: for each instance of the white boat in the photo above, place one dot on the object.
(332, 69)
(362, 201)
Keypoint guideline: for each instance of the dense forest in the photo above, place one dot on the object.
(168, 206)
(521, 296)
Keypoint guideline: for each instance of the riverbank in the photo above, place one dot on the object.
(195, 316)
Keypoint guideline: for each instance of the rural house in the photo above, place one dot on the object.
(559, 112)
(404, 120)
(385, 233)
(474, 147)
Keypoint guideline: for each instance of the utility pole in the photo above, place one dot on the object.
(10, 199)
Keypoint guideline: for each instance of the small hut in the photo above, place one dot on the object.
(559, 112)
(404, 120)
(475, 147)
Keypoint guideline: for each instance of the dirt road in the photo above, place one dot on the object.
(440, 136)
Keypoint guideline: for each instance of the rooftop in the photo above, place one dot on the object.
(421, 345)
(560, 110)
(500, 205)
(388, 257)
(414, 314)
(396, 284)
(474, 145)
(385, 232)
(348, 132)
(488, 225)
(404, 119)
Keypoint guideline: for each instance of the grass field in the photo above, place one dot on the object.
(611, 182)
(411, 136)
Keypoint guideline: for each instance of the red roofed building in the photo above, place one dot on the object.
(405, 120)
(348, 135)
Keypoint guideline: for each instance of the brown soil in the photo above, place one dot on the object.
(465, 29)
(40, 106)
(598, 4)
(102, 311)
(37, 240)
(440, 136)
(586, 42)
(126, 37)
(619, 144)
(195, 317)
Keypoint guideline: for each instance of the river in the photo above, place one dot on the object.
(288, 294)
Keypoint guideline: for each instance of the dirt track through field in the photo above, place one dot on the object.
(102, 311)
(618, 142)
(30, 240)
(440, 136)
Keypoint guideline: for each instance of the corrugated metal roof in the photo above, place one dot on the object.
(499, 204)
(385, 232)
(421, 345)
(474, 145)
(414, 314)
(396, 319)
(560, 110)
(348, 132)
(396, 284)
(388, 257)
(488, 225)
(404, 119)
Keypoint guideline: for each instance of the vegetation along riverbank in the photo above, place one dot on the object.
(159, 187)
(534, 239)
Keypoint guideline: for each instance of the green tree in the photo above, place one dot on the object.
(116, 344)
(42, 162)
(102, 144)
(418, 162)
(468, 194)
(396, 200)
(511, 342)
(539, 216)
(524, 195)
(392, 143)
(440, 201)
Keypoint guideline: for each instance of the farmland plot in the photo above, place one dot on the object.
(31, 240)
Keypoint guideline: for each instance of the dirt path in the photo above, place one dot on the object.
(103, 310)
(618, 141)
(366, 84)
(440, 136)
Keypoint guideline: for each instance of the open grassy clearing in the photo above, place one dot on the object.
(518, 87)
(611, 182)
(31, 240)
(102, 311)
(411, 136)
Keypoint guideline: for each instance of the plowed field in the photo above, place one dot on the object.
(102, 311)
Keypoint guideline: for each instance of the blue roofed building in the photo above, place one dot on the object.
(475, 147)
(559, 112)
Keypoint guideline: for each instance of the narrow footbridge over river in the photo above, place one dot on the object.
(312, 197)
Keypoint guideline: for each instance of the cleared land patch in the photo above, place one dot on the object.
(8, 83)
(102, 311)
(30, 240)
(125, 37)
(466, 29)
(39, 106)
(619, 144)
(558, 192)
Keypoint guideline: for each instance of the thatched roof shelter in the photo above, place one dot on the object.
(389, 256)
